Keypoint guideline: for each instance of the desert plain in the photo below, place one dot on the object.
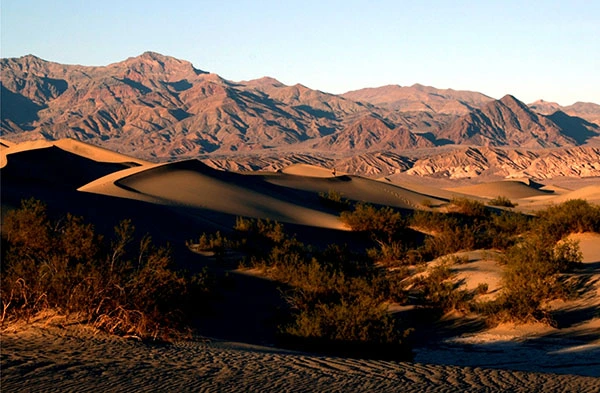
(232, 349)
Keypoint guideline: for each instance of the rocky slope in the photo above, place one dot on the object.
(161, 108)
(585, 110)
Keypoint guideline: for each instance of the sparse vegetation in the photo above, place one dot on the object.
(532, 277)
(215, 243)
(334, 200)
(501, 201)
(573, 216)
(383, 223)
(468, 207)
(121, 285)
(337, 298)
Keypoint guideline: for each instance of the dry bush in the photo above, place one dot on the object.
(121, 286)
(469, 207)
(439, 290)
(532, 278)
(572, 216)
(334, 200)
(336, 297)
(382, 223)
(502, 201)
(211, 242)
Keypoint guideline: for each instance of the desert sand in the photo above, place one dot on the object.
(60, 355)
(74, 359)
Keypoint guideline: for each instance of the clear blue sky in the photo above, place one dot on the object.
(531, 49)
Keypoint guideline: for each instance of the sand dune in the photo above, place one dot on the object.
(194, 185)
(96, 153)
(309, 170)
(82, 149)
(508, 189)
(589, 193)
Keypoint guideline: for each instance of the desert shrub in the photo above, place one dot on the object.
(572, 216)
(506, 228)
(212, 242)
(388, 253)
(482, 288)
(451, 232)
(347, 315)
(427, 203)
(438, 289)
(334, 200)
(449, 240)
(383, 223)
(532, 277)
(336, 297)
(115, 285)
(502, 201)
(256, 237)
(468, 207)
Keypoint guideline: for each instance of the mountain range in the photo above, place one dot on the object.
(161, 108)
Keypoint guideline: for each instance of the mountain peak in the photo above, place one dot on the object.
(158, 65)
(513, 103)
(509, 99)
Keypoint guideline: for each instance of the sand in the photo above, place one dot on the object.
(310, 171)
(56, 356)
(88, 151)
(74, 359)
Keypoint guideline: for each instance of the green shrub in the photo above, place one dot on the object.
(344, 314)
(506, 228)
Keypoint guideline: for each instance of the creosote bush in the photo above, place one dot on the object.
(468, 207)
(216, 243)
(576, 215)
(439, 289)
(533, 277)
(334, 200)
(502, 201)
(336, 297)
(383, 223)
(120, 285)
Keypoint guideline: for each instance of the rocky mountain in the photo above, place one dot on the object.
(419, 98)
(507, 122)
(472, 162)
(161, 108)
(584, 110)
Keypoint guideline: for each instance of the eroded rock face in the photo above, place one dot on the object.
(511, 163)
(161, 108)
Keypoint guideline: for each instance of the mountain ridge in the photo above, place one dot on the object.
(161, 108)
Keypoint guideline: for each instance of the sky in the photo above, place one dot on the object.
(531, 49)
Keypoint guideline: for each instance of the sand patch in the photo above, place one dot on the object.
(309, 170)
(71, 359)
